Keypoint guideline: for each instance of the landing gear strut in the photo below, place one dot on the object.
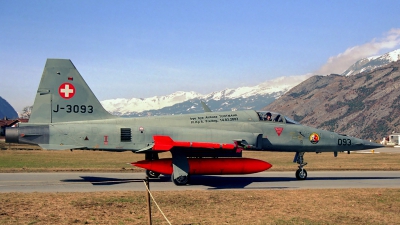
(301, 173)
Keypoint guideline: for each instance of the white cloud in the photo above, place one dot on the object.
(339, 63)
(290, 80)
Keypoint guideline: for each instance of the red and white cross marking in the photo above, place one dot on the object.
(66, 90)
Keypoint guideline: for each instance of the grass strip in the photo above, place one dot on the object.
(80, 160)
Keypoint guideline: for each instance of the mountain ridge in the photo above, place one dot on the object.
(365, 105)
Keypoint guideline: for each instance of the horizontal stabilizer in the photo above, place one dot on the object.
(205, 107)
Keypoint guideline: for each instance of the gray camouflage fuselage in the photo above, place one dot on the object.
(223, 127)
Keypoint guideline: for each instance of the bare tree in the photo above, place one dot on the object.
(26, 112)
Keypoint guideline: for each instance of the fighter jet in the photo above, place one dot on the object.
(67, 115)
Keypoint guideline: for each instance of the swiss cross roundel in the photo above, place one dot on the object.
(66, 90)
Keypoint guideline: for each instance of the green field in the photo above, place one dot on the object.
(80, 160)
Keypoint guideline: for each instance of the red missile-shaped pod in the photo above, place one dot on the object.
(208, 166)
(165, 143)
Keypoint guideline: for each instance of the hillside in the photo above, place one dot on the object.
(366, 105)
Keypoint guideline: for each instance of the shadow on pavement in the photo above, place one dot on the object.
(220, 182)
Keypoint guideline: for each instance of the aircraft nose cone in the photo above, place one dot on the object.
(371, 145)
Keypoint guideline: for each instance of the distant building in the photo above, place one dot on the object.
(394, 139)
(9, 123)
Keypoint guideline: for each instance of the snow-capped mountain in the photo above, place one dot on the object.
(122, 106)
(371, 63)
(181, 102)
(268, 87)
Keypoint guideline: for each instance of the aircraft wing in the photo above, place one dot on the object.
(205, 107)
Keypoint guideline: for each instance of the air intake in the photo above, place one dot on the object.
(126, 135)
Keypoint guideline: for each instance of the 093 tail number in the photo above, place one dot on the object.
(344, 141)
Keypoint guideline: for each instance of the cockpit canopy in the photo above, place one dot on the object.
(268, 116)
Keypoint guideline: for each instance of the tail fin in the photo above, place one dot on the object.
(64, 96)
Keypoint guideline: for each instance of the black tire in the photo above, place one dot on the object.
(152, 174)
(180, 181)
(301, 174)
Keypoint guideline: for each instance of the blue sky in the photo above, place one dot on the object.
(140, 49)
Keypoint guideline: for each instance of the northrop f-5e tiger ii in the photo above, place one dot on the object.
(67, 115)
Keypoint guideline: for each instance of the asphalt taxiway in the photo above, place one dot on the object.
(94, 182)
(387, 150)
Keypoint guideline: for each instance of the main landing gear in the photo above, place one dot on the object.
(152, 156)
(152, 174)
(180, 167)
(181, 180)
(301, 173)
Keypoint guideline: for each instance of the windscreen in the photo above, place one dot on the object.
(269, 116)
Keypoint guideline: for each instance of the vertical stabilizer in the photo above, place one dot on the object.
(64, 96)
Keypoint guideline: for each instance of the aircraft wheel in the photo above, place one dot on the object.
(152, 174)
(181, 180)
(301, 174)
